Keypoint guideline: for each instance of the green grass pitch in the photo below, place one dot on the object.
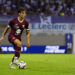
(40, 64)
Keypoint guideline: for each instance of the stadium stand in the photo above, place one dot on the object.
(39, 7)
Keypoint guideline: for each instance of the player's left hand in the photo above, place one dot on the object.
(28, 45)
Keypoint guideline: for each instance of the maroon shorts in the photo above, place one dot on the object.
(12, 39)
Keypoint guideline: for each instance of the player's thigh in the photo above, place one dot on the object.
(18, 42)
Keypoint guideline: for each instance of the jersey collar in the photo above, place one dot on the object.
(19, 20)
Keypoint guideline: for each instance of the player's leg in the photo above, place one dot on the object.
(17, 46)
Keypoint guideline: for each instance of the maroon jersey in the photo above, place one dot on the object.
(17, 27)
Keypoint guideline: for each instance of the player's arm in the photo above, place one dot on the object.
(28, 38)
(4, 32)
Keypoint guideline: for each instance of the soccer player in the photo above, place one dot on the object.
(17, 26)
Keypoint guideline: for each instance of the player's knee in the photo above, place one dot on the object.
(19, 44)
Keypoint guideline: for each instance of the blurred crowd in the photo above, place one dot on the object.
(38, 7)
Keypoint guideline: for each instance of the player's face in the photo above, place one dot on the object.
(22, 14)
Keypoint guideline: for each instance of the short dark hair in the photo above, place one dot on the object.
(20, 9)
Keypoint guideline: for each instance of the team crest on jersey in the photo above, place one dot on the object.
(23, 26)
(16, 26)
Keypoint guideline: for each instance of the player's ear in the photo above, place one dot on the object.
(19, 14)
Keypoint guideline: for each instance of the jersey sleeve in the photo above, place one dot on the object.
(27, 25)
(10, 23)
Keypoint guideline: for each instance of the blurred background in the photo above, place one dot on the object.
(52, 24)
(38, 7)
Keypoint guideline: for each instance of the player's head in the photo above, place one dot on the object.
(21, 12)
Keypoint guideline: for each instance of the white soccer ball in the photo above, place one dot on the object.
(22, 65)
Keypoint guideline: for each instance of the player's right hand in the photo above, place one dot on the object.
(1, 39)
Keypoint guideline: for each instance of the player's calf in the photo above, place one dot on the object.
(15, 60)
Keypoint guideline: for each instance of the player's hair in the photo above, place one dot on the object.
(20, 9)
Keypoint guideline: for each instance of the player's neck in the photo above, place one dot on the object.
(20, 19)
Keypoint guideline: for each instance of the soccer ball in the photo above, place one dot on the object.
(22, 65)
